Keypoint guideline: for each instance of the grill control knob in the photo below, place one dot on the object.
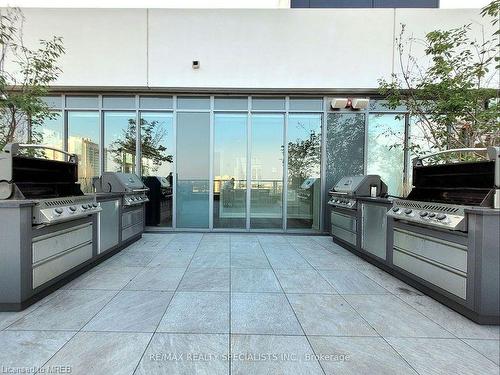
(408, 211)
(72, 208)
(424, 213)
(432, 214)
(395, 209)
(84, 206)
(95, 205)
(58, 211)
(441, 216)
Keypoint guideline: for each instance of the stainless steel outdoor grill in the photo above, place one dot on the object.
(345, 192)
(129, 184)
(51, 184)
(442, 193)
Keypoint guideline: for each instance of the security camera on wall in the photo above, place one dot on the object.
(339, 103)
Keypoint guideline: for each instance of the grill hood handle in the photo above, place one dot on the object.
(417, 162)
(13, 149)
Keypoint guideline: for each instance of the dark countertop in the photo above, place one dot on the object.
(13, 203)
(483, 211)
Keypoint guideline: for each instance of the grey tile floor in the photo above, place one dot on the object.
(192, 303)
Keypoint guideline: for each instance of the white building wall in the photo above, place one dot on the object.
(266, 49)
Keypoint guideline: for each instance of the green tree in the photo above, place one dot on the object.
(152, 150)
(22, 110)
(452, 99)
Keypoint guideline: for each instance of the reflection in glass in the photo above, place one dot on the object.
(157, 146)
(268, 103)
(231, 103)
(230, 160)
(306, 104)
(83, 140)
(118, 102)
(156, 102)
(49, 133)
(385, 153)
(267, 171)
(193, 148)
(193, 102)
(119, 142)
(304, 164)
(82, 101)
(421, 142)
(345, 143)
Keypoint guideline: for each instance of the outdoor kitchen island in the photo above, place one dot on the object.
(443, 239)
(50, 230)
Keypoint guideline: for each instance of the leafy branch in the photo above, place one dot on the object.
(25, 75)
(452, 98)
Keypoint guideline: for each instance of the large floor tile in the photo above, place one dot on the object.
(22, 350)
(249, 259)
(197, 312)
(278, 355)
(281, 248)
(103, 353)
(321, 314)
(67, 310)
(489, 348)
(133, 258)
(9, 317)
(328, 244)
(265, 313)
(352, 282)
(287, 260)
(392, 284)
(303, 281)
(442, 356)
(329, 262)
(210, 259)
(132, 311)
(360, 264)
(214, 246)
(266, 239)
(106, 277)
(457, 324)
(157, 278)
(254, 280)
(358, 355)
(245, 245)
(171, 260)
(205, 280)
(180, 247)
(392, 317)
(186, 354)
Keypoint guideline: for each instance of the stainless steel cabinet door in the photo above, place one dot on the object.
(374, 229)
(109, 225)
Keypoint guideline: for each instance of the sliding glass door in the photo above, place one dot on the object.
(266, 206)
(157, 165)
(230, 170)
(193, 170)
(304, 167)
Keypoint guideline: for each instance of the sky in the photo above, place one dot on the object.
(193, 3)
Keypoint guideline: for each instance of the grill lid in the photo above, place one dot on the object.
(360, 186)
(462, 183)
(29, 177)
